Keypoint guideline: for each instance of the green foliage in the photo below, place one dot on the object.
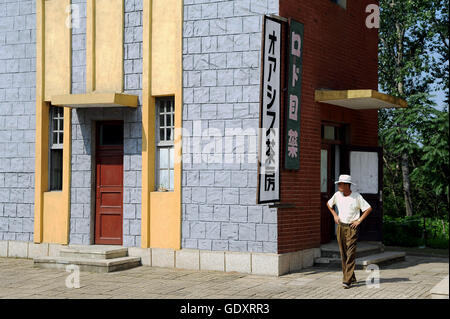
(409, 232)
(432, 172)
(405, 231)
(436, 234)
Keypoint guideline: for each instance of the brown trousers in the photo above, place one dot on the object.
(346, 238)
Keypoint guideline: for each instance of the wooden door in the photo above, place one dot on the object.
(109, 183)
(365, 165)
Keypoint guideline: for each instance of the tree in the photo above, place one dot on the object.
(431, 176)
(410, 31)
(438, 17)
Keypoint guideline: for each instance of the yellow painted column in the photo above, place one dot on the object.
(56, 221)
(104, 45)
(162, 76)
(53, 76)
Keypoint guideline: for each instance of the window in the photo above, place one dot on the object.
(111, 134)
(341, 3)
(164, 143)
(329, 132)
(56, 147)
(336, 133)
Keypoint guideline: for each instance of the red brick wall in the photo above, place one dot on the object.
(339, 53)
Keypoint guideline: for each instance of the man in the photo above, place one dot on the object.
(349, 205)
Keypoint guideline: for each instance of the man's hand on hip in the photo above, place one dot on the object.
(355, 224)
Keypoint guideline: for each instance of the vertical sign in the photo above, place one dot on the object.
(294, 85)
(269, 140)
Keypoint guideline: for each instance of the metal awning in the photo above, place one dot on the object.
(95, 100)
(359, 99)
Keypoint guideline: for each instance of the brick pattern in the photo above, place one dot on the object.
(221, 58)
(83, 170)
(17, 118)
(410, 279)
(133, 125)
(81, 176)
(78, 46)
(339, 53)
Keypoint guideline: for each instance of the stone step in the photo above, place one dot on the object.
(384, 258)
(88, 264)
(380, 259)
(362, 249)
(94, 252)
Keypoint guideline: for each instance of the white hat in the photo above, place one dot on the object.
(345, 179)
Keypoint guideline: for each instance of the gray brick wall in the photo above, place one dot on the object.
(79, 46)
(133, 124)
(221, 58)
(17, 118)
(80, 211)
(82, 196)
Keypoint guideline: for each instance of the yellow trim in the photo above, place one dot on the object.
(162, 76)
(339, 95)
(96, 100)
(53, 201)
(41, 113)
(56, 221)
(67, 168)
(53, 75)
(104, 45)
(389, 99)
(57, 52)
(164, 69)
(148, 126)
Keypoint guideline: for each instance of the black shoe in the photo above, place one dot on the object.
(345, 285)
(353, 281)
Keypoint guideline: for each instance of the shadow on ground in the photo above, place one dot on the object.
(409, 262)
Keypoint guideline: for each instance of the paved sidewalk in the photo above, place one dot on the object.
(412, 278)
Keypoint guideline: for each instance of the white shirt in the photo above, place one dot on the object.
(348, 206)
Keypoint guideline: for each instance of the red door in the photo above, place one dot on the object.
(109, 183)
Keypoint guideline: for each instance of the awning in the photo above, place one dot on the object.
(95, 100)
(359, 99)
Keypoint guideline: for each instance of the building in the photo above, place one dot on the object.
(115, 117)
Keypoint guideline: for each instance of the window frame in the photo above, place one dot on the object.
(55, 113)
(60, 120)
(164, 144)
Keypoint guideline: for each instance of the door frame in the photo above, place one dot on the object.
(375, 200)
(326, 220)
(342, 135)
(114, 150)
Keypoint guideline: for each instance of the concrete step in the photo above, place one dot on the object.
(88, 264)
(383, 259)
(380, 259)
(363, 249)
(94, 252)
